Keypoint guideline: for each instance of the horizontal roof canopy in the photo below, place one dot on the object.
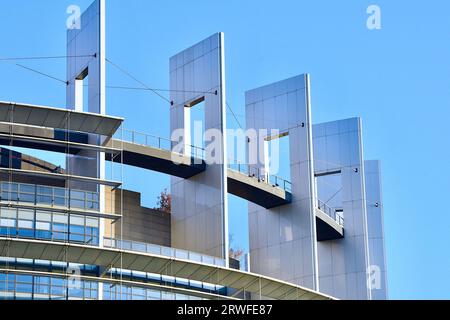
(29, 174)
(59, 118)
(146, 262)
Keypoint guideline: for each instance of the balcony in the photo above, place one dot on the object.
(252, 184)
(329, 222)
(155, 153)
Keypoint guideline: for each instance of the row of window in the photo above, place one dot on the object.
(48, 225)
(25, 286)
(48, 266)
(52, 196)
(166, 280)
(114, 273)
(37, 287)
(125, 292)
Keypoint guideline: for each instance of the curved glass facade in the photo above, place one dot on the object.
(48, 225)
(26, 279)
(20, 286)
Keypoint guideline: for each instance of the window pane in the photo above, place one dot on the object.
(92, 205)
(43, 234)
(28, 188)
(6, 186)
(7, 223)
(60, 227)
(60, 236)
(77, 203)
(76, 237)
(24, 278)
(8, 213)
(25, 224)
(42, 225)
(77, 220)
(75, 194)
(26, 214)
(26, 197)
(60, 192)
(42, 280)
(44, 199)
(43, 216)
(58, 201)
(60, 218)
(44, 190)
(92, 222)
(24, 287)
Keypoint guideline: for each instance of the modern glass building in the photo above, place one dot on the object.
(74, 232)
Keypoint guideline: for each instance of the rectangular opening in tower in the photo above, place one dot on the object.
(195, 140)
(329, 195)
(277, 160)
(82, 91)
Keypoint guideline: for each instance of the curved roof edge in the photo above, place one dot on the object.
(264, 286)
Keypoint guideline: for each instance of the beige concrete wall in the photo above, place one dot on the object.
(139, 223)
(31, 163)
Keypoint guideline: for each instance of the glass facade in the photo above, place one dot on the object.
(36, 287)
(48, 225)
(16, 284)
(19, 286)
(167, 281)
(48, 196)
(125, 292)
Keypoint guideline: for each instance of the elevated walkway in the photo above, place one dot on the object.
(67, 131)
(329, 222)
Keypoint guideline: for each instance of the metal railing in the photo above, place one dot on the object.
(149, 140)
(162, 251)
(333, 213)
(261, 175)
(48, 196)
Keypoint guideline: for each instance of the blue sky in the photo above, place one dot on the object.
(396, 79)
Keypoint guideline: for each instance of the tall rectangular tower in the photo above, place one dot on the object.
(375, 223)
(199, 204)
(86, 60)
(283, 239)
(339, 171)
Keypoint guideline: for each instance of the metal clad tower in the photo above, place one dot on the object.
(282, 239)
(199, 204)
(375, 223)
(343, 263)
(82, 45)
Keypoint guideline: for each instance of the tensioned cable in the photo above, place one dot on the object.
(33, 70)
(41, 73)
(137, 80)
(234, 116)
(10, 60)
(334, 195)
(145, 87)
